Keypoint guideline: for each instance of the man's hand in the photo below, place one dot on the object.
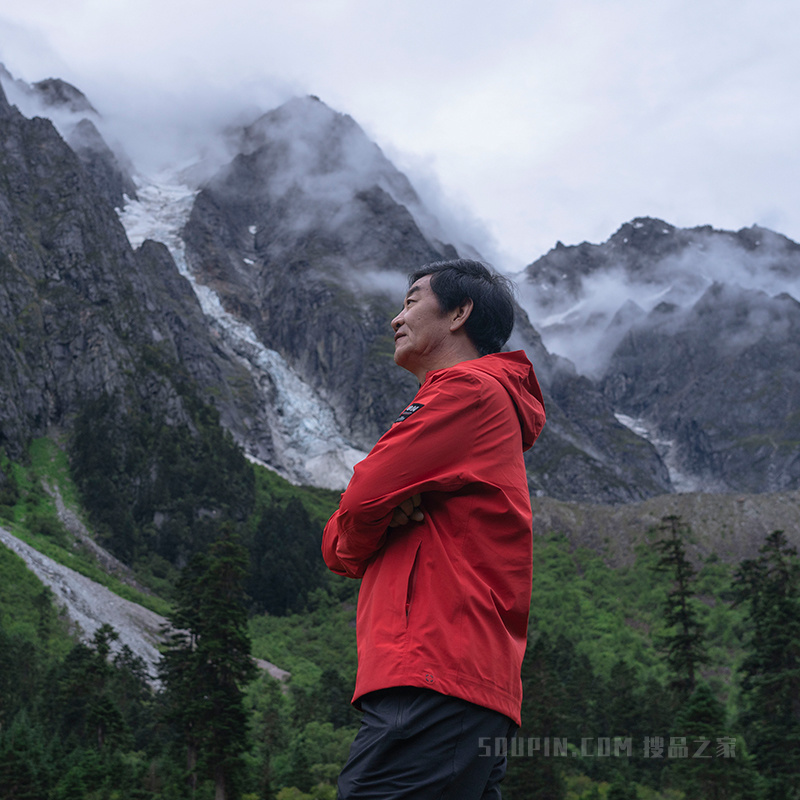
(407, 511)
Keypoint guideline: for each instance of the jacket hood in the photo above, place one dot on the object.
(515, 372)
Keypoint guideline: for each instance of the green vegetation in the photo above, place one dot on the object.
(31, 515)
(207, 665)
(769, 586)
(326, 626)
(26, 608)
(158, 490)
(600, 718)
(74, 726)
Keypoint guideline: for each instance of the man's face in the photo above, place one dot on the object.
(421, 329)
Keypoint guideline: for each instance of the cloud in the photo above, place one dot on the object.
(586, 324)
(543, 121)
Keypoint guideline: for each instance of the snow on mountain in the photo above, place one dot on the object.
(681, 481)
(310, 448)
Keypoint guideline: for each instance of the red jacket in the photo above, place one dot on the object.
(444, 602)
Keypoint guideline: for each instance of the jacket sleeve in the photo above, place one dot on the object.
(427, 451)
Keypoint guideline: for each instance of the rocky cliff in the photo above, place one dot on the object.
(266, 288)
(308, 234)
(693, 337)
(81, 312)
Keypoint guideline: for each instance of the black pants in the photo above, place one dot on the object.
(418, 744)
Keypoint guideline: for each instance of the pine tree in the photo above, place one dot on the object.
(23, 760)
(709, 766)
(85, 708)
(544, 701)
(770, 587)
(683, 644)
(207, 664)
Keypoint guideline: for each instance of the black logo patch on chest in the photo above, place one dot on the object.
(409, 411)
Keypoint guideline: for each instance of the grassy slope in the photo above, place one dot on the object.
(26, 608)
(34, 519)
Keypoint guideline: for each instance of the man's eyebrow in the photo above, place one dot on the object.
(411, 291)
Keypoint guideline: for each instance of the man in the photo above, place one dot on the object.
(436, 521)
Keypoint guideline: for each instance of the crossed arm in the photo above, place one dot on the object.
(423, 453)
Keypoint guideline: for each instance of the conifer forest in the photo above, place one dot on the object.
(663, 678)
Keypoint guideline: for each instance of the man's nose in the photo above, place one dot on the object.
(397, 322)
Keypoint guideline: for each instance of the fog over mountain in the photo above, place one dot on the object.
(693, 335)
(585, 298)
(266, 269)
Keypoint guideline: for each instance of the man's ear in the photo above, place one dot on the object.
(460, 315)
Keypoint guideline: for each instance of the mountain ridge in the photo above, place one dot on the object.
(282, 269)
(690, 334)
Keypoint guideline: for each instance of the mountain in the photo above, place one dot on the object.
(307, 236)
(83, 313)
(299, 237)
(693, 337)
(262, 284)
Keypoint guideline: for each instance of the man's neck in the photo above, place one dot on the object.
(455, 355)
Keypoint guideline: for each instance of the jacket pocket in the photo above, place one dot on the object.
(410, 583)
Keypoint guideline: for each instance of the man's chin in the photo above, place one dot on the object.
(401, 358)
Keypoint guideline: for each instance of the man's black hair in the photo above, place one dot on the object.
(492, 318)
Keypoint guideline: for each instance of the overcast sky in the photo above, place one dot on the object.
(540, 120)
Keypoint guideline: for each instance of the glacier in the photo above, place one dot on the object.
(311, 448)
(682, 482)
